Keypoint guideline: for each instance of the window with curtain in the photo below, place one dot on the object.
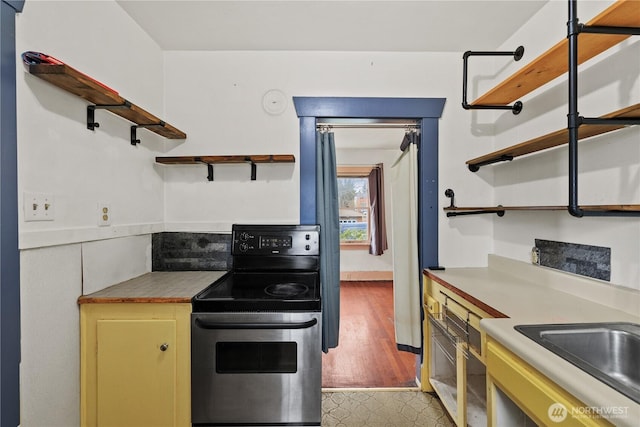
(361, 196)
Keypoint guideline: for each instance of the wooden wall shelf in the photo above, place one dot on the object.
(211, 160)
(584, 41)
(553, 139)
(261, 158)
(553, 63)
(103, 97)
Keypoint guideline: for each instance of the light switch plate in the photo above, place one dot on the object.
(38, 207)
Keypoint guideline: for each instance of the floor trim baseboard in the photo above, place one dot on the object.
(366, 276)
(367, 389)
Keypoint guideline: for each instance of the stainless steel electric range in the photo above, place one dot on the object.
(256, 340)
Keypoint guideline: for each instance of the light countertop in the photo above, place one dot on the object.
(534, 295)
(155, 287)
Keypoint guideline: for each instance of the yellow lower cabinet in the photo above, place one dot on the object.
(453, 362)
(135, 368)
(519, 395)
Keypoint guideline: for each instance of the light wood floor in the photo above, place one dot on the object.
(366, 355)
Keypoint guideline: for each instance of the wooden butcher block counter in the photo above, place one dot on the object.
(155, 287)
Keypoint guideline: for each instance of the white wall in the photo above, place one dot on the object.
(609, 165)
(218, 96)
(57, 155)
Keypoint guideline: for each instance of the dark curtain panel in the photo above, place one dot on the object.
(378, 226)
(329, 221)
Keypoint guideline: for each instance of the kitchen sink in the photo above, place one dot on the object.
(609, 352)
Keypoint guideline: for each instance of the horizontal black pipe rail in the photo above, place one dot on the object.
(475, 167)
(602, 29)
(574, 120)
(499, 212)
(623, 121)
(517, 54)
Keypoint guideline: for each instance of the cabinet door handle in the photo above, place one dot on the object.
(164, 347)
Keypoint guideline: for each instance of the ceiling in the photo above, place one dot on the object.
(331, 25)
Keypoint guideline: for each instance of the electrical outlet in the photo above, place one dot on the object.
(535, 255)
(104, 213)
(38, 207)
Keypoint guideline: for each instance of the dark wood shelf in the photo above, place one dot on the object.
(251, 159)
(553, 63)
(77, 83)
(554, 139)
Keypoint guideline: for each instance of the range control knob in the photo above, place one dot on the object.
(243, 247)
(244, 235)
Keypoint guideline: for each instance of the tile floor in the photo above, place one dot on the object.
(382, 408)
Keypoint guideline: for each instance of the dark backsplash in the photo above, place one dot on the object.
(585, 260)
(183, 251)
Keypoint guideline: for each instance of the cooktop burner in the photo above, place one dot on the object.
(261, 291)
(285, 290)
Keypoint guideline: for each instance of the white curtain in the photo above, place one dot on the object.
(406, 268)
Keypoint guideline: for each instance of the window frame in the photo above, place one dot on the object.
(357, 171)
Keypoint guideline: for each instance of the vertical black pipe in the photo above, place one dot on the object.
(573, 119)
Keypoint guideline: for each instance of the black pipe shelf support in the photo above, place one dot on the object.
(475, 167)
(574, 120)
(499, 212)
(517, 54)
(451, 195)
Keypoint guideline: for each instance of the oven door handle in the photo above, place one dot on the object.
(255, 325)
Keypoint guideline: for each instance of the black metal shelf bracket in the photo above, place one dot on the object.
(516, 108)
(134, 128)
(91, 113)
(574, 120)
(475, 167)
(210, 168)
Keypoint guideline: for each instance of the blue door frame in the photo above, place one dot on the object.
(427, 110)
(9, 254)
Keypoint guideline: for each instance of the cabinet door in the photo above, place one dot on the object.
(136, 373)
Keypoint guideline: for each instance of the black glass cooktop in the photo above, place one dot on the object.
(261, 291)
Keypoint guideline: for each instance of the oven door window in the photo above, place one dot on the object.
(256, 357)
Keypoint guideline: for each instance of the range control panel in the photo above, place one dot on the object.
(275, 240)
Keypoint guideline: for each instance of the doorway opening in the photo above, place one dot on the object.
(367, 355)
(425, 112)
